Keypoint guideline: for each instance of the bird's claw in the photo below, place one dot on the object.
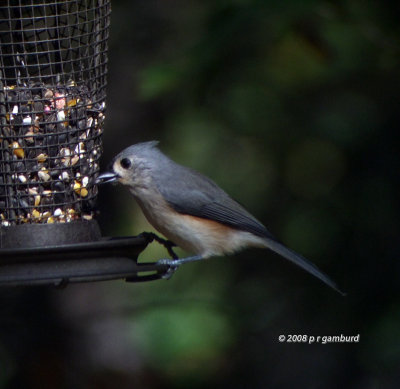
(172, 264)
(150, 236)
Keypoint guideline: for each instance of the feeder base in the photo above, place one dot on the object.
(105, 259)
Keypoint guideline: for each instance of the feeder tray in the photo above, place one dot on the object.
(106, 259)
(53, 67)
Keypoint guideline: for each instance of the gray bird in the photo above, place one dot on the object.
(191, 210)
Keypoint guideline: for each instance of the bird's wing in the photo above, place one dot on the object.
(199, 196)
(230, 214)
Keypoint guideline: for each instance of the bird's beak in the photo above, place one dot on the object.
(105, 178)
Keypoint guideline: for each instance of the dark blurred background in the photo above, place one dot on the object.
(292, 107)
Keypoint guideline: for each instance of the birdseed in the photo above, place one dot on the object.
(50, 144)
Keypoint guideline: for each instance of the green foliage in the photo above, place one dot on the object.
(183, 341)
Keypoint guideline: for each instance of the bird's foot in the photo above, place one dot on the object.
(151, 236)
(173, 264)
(178, 262)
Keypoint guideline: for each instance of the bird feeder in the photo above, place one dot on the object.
(53, 68)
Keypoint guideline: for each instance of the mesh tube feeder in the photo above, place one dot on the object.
(53, 67)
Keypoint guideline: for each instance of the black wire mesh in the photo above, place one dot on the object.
(53, 65)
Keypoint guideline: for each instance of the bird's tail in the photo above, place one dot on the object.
(299, 260)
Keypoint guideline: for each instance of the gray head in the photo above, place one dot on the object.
(132, 165)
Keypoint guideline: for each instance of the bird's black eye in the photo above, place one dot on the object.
(126, 163)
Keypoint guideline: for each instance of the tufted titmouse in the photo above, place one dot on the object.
(191, 210)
